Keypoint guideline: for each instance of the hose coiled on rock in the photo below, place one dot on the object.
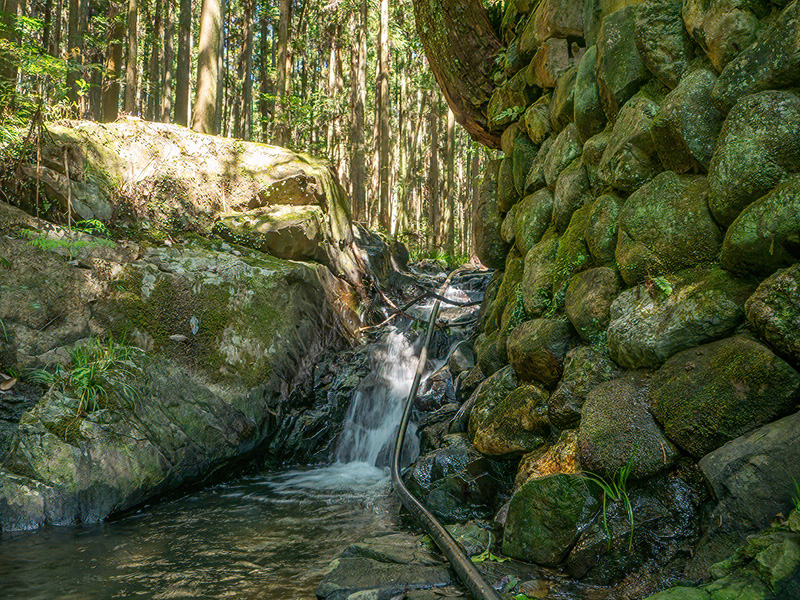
(451, 549)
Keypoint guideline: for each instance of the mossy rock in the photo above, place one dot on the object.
(589, 116)
(537, 348)
(532, 216)
(573, 254)
(662, 40)
(515, 425)
(773, 311)
(571, 192)
(537, 278)
(565, 149)
(537, 120)
(588, 302)
(507, 193)
(602, 229)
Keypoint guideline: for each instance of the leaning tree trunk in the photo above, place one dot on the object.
(461, 46)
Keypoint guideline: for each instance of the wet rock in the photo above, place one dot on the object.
(617, 429)
(662, 40)
(620, 69)
(433, 426)
(456, 482)
(686, 128)
(468, 382)
(666, 521)
(473, 536)
(537, 279)
(766, 235)
(562, 106)
(573, 254)
(588, 302)
(436, 391)
(566, 148)
(589, 116)
(630, 158)
(585, 368)
(524, 154)
(535, 179)
(514, 425)
(773, 312)
(532, 218)
(758, 147)
(507, 194)
(508, 101)
(665, 226)
(723, 28)
(571, 192)
(601, 229)
(651, 322)
(537, 348)
(552, 58)
(490, 352)
(546, 516)
(537, 119)
(491, 391)
(489, 245)
(771, 62)
(707, 396)
(461, 359)
(561, 457)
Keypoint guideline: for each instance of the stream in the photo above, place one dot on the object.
(261, 535)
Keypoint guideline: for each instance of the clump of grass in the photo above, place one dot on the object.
(615, 489)
(96, 372)
(796, 495)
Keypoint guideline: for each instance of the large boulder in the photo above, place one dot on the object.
(537, 348)
(686, 128)
(507, 194)
(665, 226)
(771, 62)
(617, 430)
(489, 244)
(573, 254)
(653, 321)
(571, 192)
(532, 218)
(537, 119)
(508, 101)
(662, 40)
(562, 108)
(546, 516)
(537, 279)
(766, 235)
(602, 229)
(707, 396)
(723, 28)
(773, 311)
(565, 149)
(620, 69)
(551, 60)
(630, 160)
(588, 302)
(552, 19)
(589, 116)
(524, 153)
(758, 147)
(561, 457)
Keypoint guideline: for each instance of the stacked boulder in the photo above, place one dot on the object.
(645, 218)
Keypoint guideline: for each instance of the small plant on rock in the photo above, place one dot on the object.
(616, 489)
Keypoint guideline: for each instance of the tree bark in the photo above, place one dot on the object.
(73, 47)
(433, 178)
(461, 46)
(113, 65)
(184, 70)
(358, 98)
(154, 77)
(247, 84)
(282, 99)
(449, 216)
(166, 70)
(131, 70)
(266, 85)
(8, 66)
(205, 118)
(382, 101)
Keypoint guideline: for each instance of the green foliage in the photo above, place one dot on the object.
(796, 494)
(93, 227)
(97, 373)
(513, 111)
(616, 490)
(487, 555)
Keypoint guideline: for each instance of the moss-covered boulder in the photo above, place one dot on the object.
(552, 59)
(707, 396)
(565, 149)
(571, 192)
(773, 311)
(537, 278)
(630, 160)
(588, 302)
(766, 235)
(665, 226)
(535, 179)
(524, 154)
(537, 119)
(589, 116)
(601, 229)
(537, 348)
(620, 69)
(758, 147)
(662, 40)
(515, 425)
(573, 254)
(585, 368)
(562, 108)
(489, 393)
(592, 155)
(686, 128)
(552, 19)
(532, 217)
(561, 457)
(772, 62)
(653, 321)
(508, 101)
(723, 28)
(507, 194)
(546, 516)
(490, 352)
(489, 244)
(617, 429)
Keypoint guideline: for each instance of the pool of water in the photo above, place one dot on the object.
(265, 536)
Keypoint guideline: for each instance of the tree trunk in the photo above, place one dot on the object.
(131, 70)
(247, 84)
(73, 50)
(184, 69)
(166, 70)
(205, 118)
(113, 65)
(47, 26)
(382, 101)
(448, 218)
(266, 84)
(433, 178)
(461, 46)
(8, 66)
(154, 78)
(282, 99)
(358, 99)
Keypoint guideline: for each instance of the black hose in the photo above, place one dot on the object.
(451, 549)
